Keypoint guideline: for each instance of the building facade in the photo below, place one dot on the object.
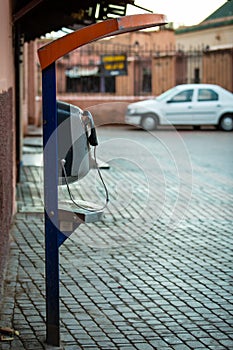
(212, 41)
(216, 31)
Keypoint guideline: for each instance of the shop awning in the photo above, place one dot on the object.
(78, 72)
(35, 18)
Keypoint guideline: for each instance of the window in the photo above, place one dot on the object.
(83, 84)
(207, 95)
(90, 84)
(146, 80)
(197, 75)
(183, 96)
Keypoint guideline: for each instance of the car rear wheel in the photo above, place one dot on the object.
(149, 122)
(226, 122)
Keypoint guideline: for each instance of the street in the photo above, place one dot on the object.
(156, 273)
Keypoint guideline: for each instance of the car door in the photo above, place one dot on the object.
(178, 109)
(205, 108)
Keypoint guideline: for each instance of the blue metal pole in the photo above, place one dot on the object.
(51, 205)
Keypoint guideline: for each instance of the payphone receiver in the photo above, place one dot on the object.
(93, 137)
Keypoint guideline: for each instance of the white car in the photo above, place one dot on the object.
(188, 104)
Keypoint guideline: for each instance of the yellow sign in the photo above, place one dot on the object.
(114, 65)
(113, 58)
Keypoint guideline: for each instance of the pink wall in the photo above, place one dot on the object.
(108, 109)
(7, 132)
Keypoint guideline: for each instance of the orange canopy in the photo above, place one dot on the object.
(62, 46)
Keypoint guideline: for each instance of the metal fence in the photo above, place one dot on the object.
(149, 72)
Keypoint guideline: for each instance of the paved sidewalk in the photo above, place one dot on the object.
(127, 282)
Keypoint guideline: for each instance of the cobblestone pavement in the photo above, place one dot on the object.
(156, 272)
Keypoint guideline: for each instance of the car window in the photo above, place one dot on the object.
(165, 95)
(183, 96)
(207, 95)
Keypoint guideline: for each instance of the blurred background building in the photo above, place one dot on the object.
(154, 61)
